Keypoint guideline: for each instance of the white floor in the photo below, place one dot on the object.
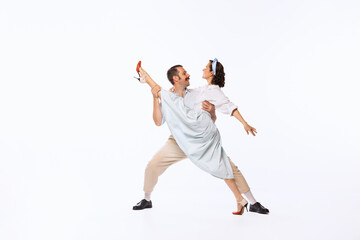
(188, 204)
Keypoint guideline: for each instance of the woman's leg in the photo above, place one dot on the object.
(232, 185)
(149, 80)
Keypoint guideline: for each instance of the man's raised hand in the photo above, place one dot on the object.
(155, 90)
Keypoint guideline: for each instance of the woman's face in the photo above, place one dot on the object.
(207, 73)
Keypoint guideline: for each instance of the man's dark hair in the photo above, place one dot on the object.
(173, 71)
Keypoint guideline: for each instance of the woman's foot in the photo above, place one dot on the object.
(241, 207)
(138, 66)
(141, 77)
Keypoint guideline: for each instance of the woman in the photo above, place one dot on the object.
(214, 74)
(195, 132)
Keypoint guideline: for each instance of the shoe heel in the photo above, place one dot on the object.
(244, 204)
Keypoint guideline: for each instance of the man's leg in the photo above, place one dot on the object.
(169, 154)
(245, 189)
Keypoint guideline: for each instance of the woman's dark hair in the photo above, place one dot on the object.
(173, 71)
(219, 78)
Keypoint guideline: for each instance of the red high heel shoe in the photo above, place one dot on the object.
(244, 205)
(141, 79)
(138, 66)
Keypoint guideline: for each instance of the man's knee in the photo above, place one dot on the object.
(151, 166)
(154, 164)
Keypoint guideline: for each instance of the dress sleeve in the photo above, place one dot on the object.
(222, 102)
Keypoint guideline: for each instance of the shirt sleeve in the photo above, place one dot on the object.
(222, 102)
(162, 114)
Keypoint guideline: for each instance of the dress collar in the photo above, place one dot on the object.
(212, 86)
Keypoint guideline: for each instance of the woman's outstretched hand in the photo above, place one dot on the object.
(250, 129)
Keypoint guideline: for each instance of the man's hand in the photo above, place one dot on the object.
(250, 129)
(155, 91)
(206, 106)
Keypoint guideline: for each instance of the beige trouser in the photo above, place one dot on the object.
(171, 153)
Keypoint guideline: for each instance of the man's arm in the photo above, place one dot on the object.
(206, 106)
(157, 115)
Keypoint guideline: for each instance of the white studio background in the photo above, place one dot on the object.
(76, 128)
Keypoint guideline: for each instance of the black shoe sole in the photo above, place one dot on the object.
(141, 208)
(258, 212)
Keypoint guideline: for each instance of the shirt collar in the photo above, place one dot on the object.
(212, 86)
(186, 91)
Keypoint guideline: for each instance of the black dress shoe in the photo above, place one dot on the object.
(258, 208)
(142, 205)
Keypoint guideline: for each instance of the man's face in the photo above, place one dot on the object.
(184, 78)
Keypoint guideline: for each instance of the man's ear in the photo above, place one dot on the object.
(176, 78)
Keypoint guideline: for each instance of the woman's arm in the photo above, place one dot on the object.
(238, 116)
(149, 80)
(247, 127)
(224, 105)
(157, 115)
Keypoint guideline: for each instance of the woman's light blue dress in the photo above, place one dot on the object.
(196, 134)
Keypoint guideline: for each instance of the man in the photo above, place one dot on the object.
(171, 153)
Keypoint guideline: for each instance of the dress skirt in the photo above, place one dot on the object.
(196, 134)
